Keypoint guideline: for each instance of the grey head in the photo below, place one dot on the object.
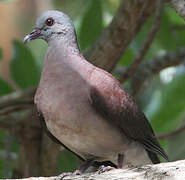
(52, 25)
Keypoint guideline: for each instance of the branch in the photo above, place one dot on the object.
(130, 17)
(172, 133)
(179, 6)
(154, 66)
(151, 36)
(13, 103)
(19, 97)
(170, 170)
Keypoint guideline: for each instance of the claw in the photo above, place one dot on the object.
(103, 169)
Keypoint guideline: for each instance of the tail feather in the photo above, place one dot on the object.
(153, 146)
(154, 149)
(153, 156)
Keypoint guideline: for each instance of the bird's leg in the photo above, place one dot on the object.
(103, 168)
(80, 170)
(120, 161)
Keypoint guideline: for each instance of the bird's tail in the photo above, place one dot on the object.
(154, 157)
(154, 149)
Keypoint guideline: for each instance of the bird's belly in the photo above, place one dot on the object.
(87, 133)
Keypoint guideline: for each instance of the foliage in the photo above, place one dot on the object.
(23, 67)
(89, 32)
(5, 87)
(171, 107)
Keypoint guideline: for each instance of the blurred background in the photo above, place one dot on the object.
(22, 154)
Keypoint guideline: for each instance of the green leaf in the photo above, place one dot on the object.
(177, 26)
(24, 68)
(127, 58)
(5, 88)
(92, 24)
(166, 39)
(171, 109)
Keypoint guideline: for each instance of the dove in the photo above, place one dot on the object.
(85, 108)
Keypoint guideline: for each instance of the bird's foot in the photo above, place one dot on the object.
(63, 175)
(103, 169)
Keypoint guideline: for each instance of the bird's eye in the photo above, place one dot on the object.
(49, 21)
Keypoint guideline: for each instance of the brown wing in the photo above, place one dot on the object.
(115, 104)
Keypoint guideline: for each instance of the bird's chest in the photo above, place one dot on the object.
(64, 107)
(62, 102)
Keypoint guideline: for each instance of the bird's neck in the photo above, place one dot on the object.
(67, 45)
(66, 58)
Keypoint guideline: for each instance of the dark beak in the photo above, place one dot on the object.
(33, 35)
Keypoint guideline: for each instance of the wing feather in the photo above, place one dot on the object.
(117, 106)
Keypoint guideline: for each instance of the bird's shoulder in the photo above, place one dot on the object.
(107, 90)
(113, 102)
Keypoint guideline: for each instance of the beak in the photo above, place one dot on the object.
(33, 35)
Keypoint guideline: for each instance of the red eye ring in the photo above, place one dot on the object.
(49, 21)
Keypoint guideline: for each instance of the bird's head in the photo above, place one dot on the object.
(51, 25)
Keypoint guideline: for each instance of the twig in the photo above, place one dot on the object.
(20, 97)
(133, 67)
(14, 102)
(127, 22)
(154, 66)
(11, 109)
(17, 99)
(172, 133)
